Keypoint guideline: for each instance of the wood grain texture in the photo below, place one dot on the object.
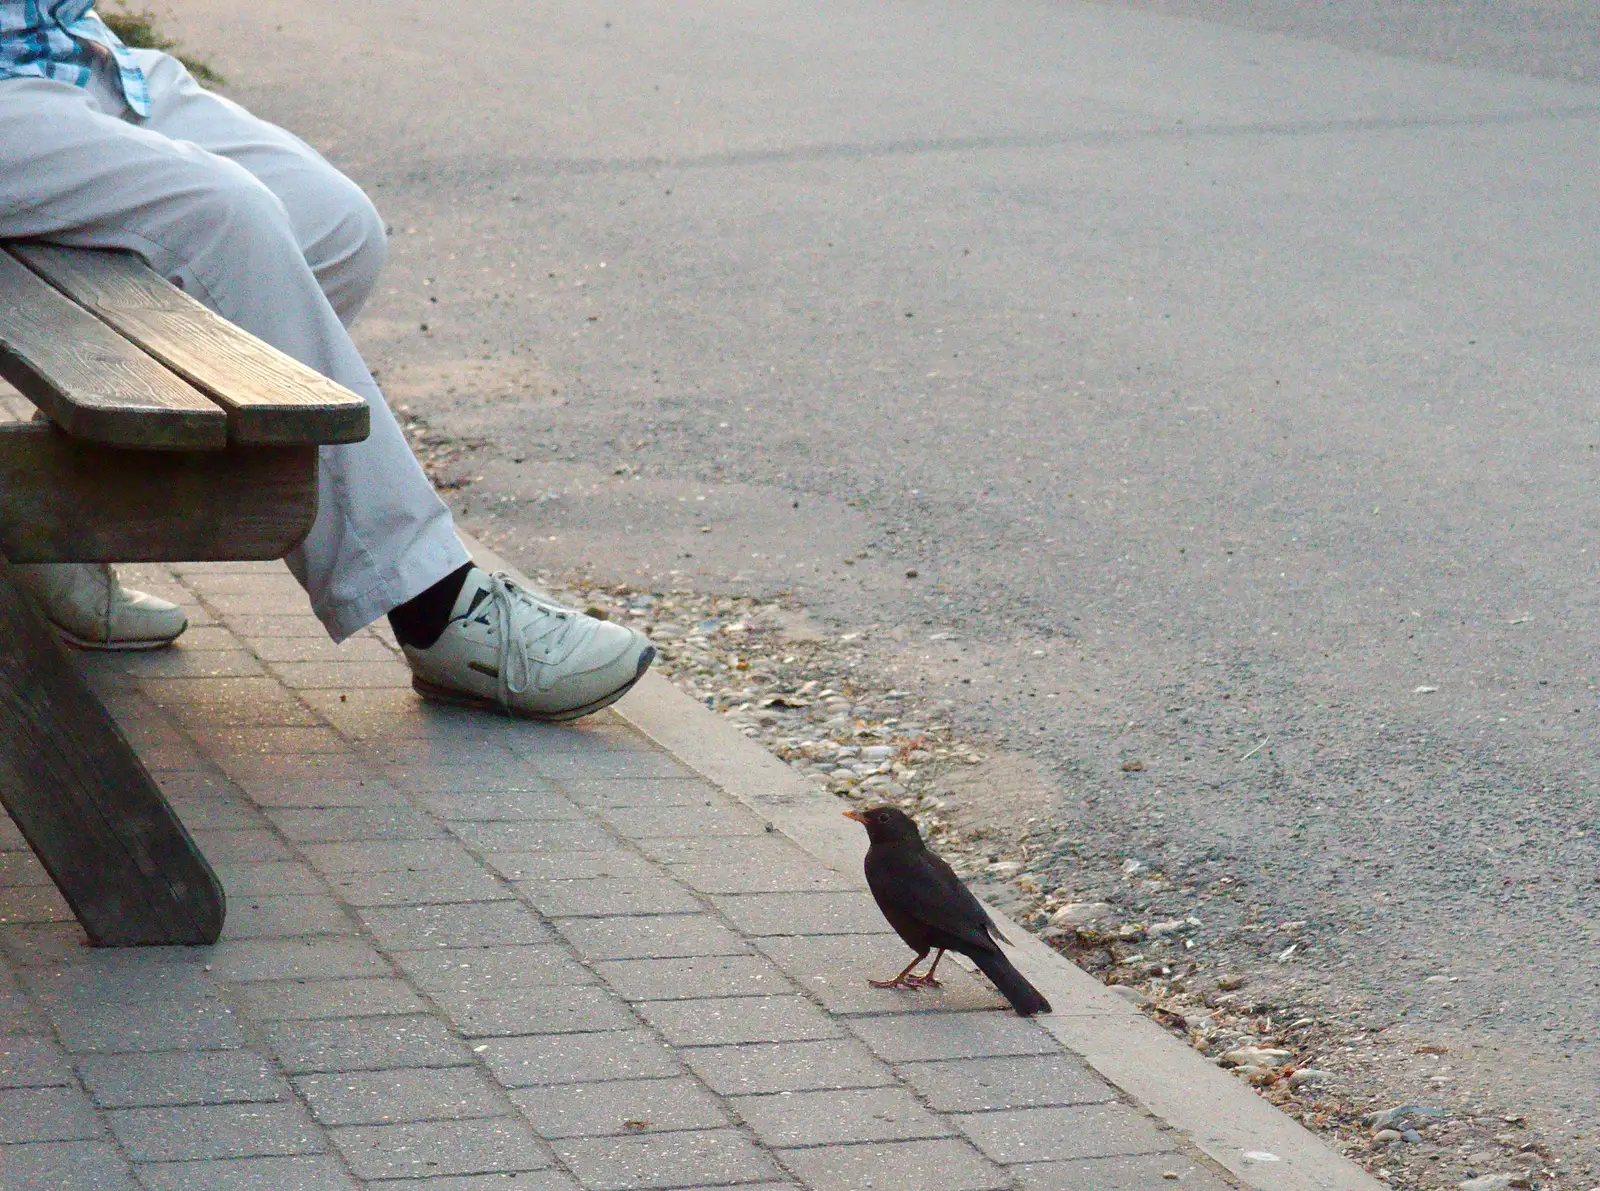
(270, 398)
(86, 805)
(93, 382)
(64, 500)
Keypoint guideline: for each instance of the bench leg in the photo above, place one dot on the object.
(84, 802)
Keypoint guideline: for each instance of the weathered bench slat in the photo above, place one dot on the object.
(63, 500)
(270, 397)
(88, 378)
(85, 804)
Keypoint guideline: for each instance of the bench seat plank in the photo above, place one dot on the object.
(85, 803)
(90, 380)
(270, 397)
(65, 500)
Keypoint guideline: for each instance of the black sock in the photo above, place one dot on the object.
(421, 620)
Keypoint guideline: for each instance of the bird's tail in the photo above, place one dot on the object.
(1024, 998)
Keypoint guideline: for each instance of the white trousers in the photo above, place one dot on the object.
(251, 221)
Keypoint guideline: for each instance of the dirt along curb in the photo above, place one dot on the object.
(1261, 1146)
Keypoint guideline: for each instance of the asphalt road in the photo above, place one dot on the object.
(1225, 381)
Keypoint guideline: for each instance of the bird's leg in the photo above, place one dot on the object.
(905, 979)
(925, 980)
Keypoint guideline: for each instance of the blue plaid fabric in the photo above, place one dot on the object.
(49, 39)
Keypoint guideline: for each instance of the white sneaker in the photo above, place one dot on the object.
(92, 610)
(507, 648)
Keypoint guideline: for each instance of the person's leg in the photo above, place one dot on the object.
(71, 170)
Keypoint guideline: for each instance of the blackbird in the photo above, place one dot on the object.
(929, 907)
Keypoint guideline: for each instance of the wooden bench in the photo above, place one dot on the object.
(172, 435)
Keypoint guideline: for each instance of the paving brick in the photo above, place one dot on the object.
(836, 1117)
(1018, 1081)
(1144, 1172)
(607, 896)
(757, 876)
(264, 740)
(411, 1151)
(578, 1058)
(33, 903)
(302, 1000)
(535, 802)
(183, 696)
(364, 1043)
(251, 626)
(186, 1077)
(600, 734)
(571, 866)
(836, 970)
(200, 787)
(407, 1094)
(214, 1131)
(56, 1166)
(32, 1062)
(490, 973)
(247, 846)
(21, 868)
(193, 663)
(110, 1028)
(244, 960)
(311, 780)
(465, 924)
(274, 706)
(395, 714)
(321, 649)
(265, 916)
(714, 816)
(303, 1172)
(1052, 1134)
(787, 1066)
(682, 790)
(269, 878)
(341, 676)
(938, 1165)
(551, 1009)
(694, 976)
(532, 835)
(727, 1020)
(636, 763)
(804, 914)
(645, 936)
(906, 1038)
(618, 1107)
(536, 1180)
(480, 771)
(443, 856)
(415, 888)
(217, 813)
(698, 1159)
(45, 1114)
(342, 824)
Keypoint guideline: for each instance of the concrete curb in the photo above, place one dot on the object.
(1262, 1147)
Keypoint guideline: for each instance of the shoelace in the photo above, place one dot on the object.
(517, 660)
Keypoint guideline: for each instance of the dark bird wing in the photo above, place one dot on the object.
(920, 885)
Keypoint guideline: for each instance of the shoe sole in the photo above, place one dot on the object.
(440, 694)
(137, 646)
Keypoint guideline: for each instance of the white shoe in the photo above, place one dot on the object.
(92, 610)
(507, 648)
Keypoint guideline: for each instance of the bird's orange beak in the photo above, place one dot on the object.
(853, 815)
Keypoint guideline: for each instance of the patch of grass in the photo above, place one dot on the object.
(139, 29)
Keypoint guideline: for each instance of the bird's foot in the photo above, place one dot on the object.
(907, 983)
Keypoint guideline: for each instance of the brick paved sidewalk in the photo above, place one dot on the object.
(467, 954)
